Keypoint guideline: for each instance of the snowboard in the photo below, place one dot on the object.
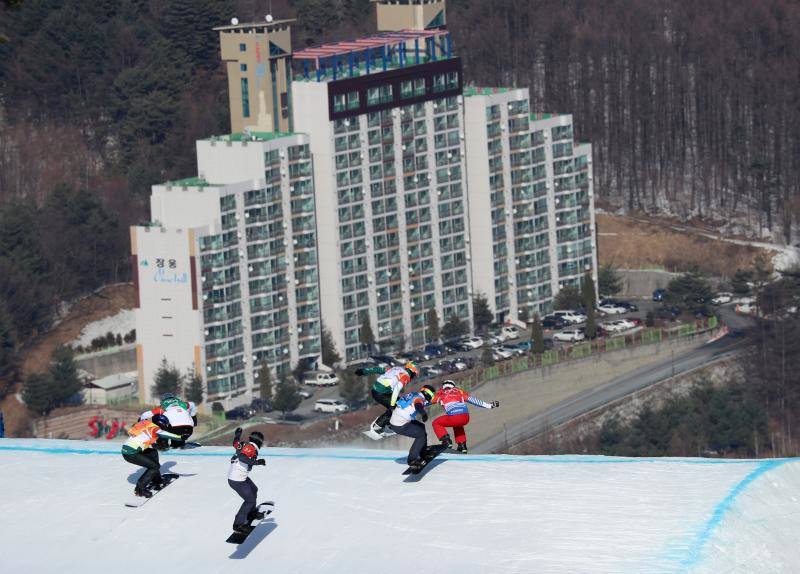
(137, 501)
(375, 435)
(431, 453)
(239, 537)
(189, 445)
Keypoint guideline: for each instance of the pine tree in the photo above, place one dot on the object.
(589, 301)
(454, 327)
(353, 389)
(8, 353)
(38, 394)
(433, 330)
(330, 355)
(537, 336)
(482, 315)
(194, 388)
(167, 379)
(265, 383)
(365, 335)
(66, 384)
(609, 281)
(286, 397)
(568, 298)
(487, 356)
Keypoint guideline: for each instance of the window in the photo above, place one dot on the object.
(242, 67)
(243, 47)
(245, 98)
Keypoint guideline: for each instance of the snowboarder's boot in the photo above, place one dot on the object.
(241, 528)
(157, 484)
(462, 447)
(255, 515)
(143, 492)
(416, 463)
(446, 441)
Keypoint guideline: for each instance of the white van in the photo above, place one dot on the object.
(330, 406)
(510, 332)
(320, 379)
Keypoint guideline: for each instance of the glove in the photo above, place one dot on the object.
(361, 372)
(261, 462)
(237, 434)
(495, 404)
(424, 417)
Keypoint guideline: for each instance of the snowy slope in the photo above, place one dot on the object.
(350, 511)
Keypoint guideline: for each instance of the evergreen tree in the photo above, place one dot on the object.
(568, 298)
(286, 397)
(265, 383)
(353, 389)
(482, 315)
(8, 353)
(432, 325)
(537, 336)
(63, 376)
(365, 335)
(330, 355)
(740, 282)
(589, 301)
(689, 291)
(167, 379)
(487, 356)
(194, 388)
(454, 327)
(38, 394)
(609, 281)
(300, 370)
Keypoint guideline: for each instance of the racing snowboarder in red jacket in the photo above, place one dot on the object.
(456, 414)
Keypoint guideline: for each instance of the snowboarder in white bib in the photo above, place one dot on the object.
(242, 462)
(387, 388)
(403, 421)
(182, 417)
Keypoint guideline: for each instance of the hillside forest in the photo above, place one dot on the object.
(692, 108)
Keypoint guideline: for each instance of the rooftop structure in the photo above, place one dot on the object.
(416, 14)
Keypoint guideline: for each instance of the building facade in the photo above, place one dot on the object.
(385, 121)
(531, 203)
(227, 273)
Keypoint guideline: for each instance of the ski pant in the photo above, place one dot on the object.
(149, 460)
(456, 421)
(385, 400)
(248, 490)
(415, 430)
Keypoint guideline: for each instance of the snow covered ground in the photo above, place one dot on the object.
(119, 324)
(350, 511)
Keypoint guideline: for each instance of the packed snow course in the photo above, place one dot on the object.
(351, 511)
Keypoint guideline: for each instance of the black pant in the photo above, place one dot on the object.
(149, 460)
(248, 490)
(385, 400)
(415, 430)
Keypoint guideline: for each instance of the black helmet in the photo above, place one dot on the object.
(428, 391)
(161, 421)
(166, 396)
(257, 438)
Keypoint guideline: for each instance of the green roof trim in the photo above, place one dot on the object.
(253, 136)
(476, 91)
(544, 116)
(189, 182)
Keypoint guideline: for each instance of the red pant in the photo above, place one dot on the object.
(455, 421)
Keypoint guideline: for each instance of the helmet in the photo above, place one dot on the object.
(412, 369)
(257, 438)
(161, 421)
(428, 391)
(166, 396)
(448, 384)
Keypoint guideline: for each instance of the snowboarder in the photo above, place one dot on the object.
(456, 414)
(139, 450)
(403, 421)
(242, 462)
(182, 417)
(387, 387)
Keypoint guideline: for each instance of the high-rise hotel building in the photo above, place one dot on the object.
(385, 117)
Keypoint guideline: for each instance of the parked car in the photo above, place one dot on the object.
(434, 350)
(498, 334)
(260, 406)
(491, 339)
(722, 298)
(631, 307)
(433, 371)
(571, 317)
(387, 360)
(511, 332)
(472, 342)
(513, 349)
(306, 393)
(658, 294)
(417, 356)
(502, 352)
(611, 309)
(239, 413)
(330, 406)
(554, 322)
(569, 336)
(321, 379)
(668, 313)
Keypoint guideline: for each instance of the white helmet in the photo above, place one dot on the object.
(448, 384)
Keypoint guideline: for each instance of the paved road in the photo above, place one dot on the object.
(584, 402)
